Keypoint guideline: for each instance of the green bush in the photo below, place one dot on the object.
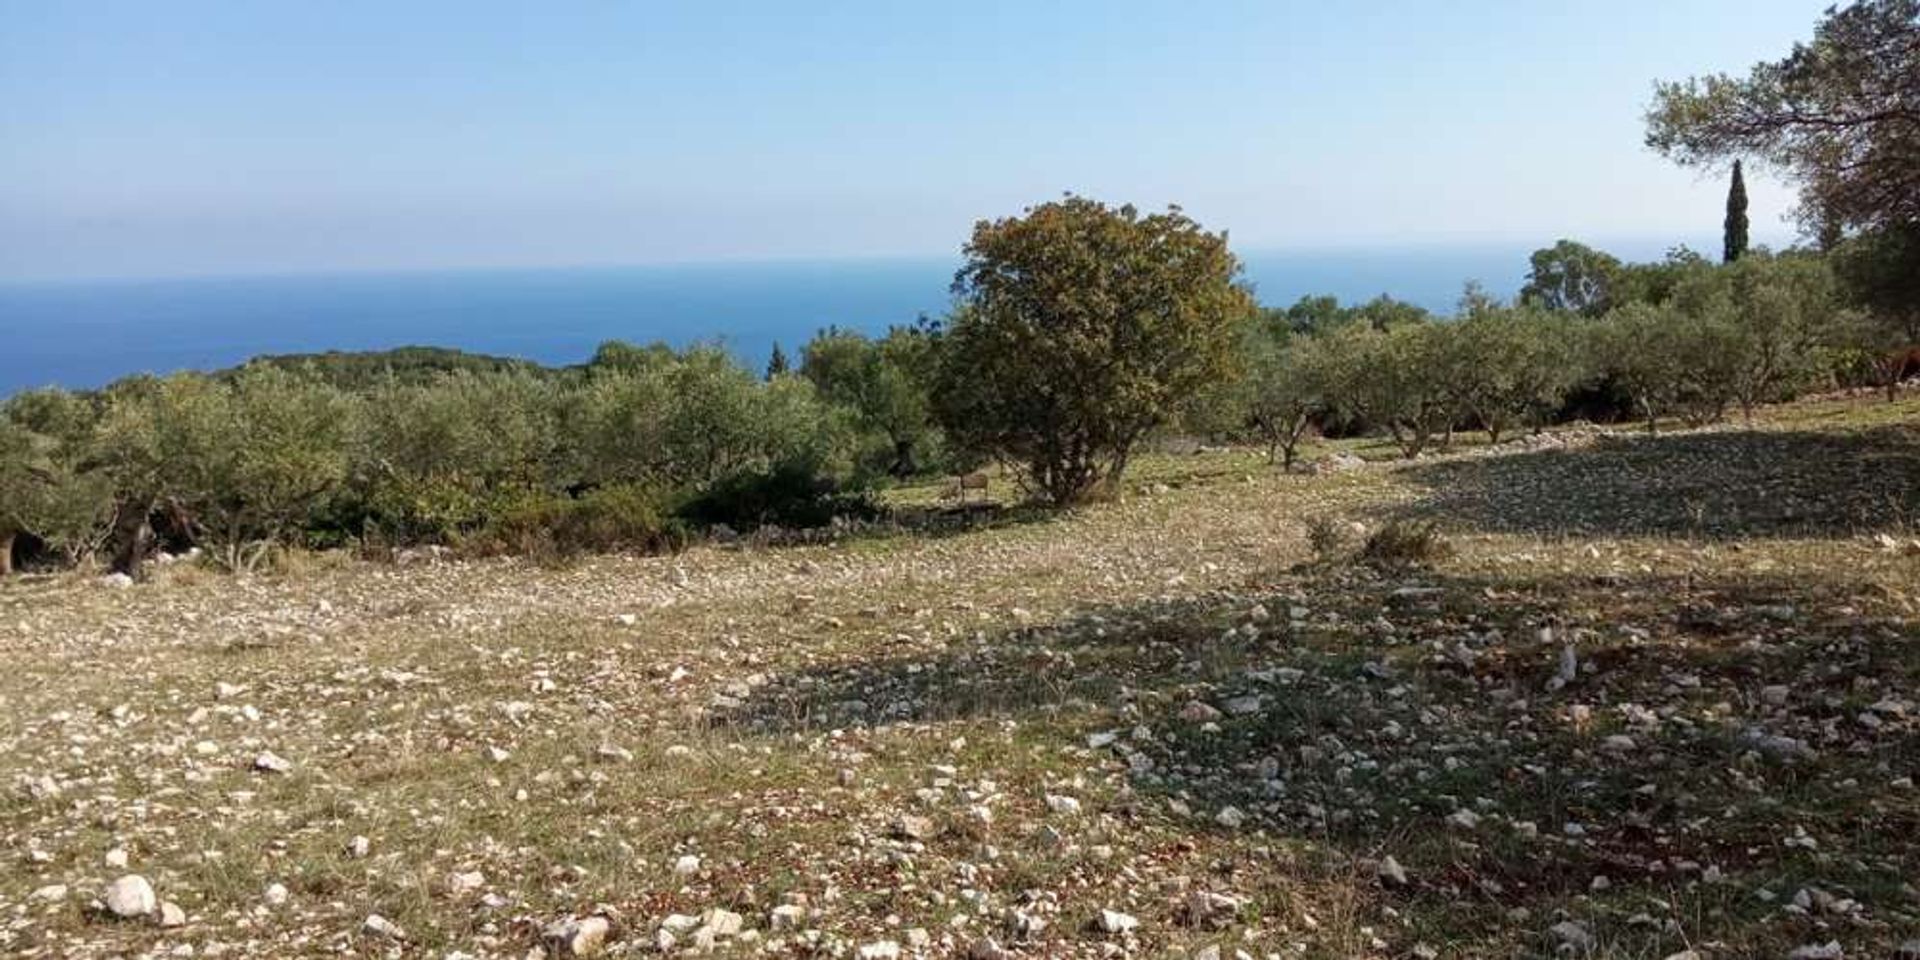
(622, 518)
(1405, 544)
(791, 495)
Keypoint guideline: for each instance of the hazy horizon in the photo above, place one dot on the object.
(212, 138)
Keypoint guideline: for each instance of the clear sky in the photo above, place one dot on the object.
(186, 137)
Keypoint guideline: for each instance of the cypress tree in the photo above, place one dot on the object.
(1736, 225)
(777, 363)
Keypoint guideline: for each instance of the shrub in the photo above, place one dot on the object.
(622, 518)
(1082, 328)
(1403, 544)
(791, 495)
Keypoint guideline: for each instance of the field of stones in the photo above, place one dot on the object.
(1643, 697)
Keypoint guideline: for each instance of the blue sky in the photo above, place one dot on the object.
(184, 137)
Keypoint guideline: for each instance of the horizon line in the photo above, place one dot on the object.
(1426, 243)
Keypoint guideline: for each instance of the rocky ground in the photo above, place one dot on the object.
(1659, 701)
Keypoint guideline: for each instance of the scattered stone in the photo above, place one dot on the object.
(1062, 805)
(275, 895)
(378, 926)
(270, 762)
(130, 896)
(686, 866)
(1572, 934)
(909, 826)
(1463, 819)
(1231, 818)
(879, 950)
(581, 937)
(1115, 922)
(1390, 871)
(1831, 950)
(788, 916)
(171, 915)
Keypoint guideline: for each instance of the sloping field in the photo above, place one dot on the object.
(1660, 697)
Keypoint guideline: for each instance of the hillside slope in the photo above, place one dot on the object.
(1659, 698)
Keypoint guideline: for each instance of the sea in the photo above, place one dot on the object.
(85, 333)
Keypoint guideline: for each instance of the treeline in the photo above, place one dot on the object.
(1589, 336)
(1079, 331)
(632, 451)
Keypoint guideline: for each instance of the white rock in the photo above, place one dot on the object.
(1115, 922)
(270, 762)
(378, 926)
(1062, 805)
(879, 950)
(117, 858)
(275, 895)
(583, 937)
(50, 892)
(131, 896)
(459, 883)
(1575, 935)
(171, 915)
(1831, 950)
(1231, 818)
(721, 924)
(788, 916)
(359, 847)
(686, 866)
(1463, 819)
(1392, 872)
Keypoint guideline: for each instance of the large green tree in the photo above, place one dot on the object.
(1082, 327)
(1574, 277)
(1840, 115)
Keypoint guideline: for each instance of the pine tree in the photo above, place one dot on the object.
(1736, 225)
(777, 363)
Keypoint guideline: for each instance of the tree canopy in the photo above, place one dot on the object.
(1082, 327)
(1840, 114)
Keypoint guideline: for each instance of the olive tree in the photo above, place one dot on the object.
(885, 383)
(1287, 385)
(48, 486)
(1081, 328)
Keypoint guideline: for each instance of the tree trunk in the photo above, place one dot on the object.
(6, 553)
(131, 535)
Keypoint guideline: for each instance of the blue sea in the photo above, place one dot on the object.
(82, 334)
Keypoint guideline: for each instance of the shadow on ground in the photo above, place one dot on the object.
(1717, 485)
(1710, 721)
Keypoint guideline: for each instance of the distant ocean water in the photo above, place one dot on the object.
(86, 333)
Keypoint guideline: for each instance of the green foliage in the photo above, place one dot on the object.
(624, 517)
(432, 459)
(1671, 361)
(1508, 364)
(1321, 314)
(363, 370)
(1572, 277)
(47, 486)
(1734, 236)
(1082, 328)
(1840, 114)
(1394, 379)
(1403, 544)
(885, 385)
(1288, 385)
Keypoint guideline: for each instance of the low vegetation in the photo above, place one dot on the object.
(1617, 696)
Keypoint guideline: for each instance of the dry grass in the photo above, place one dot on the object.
(570, 734)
